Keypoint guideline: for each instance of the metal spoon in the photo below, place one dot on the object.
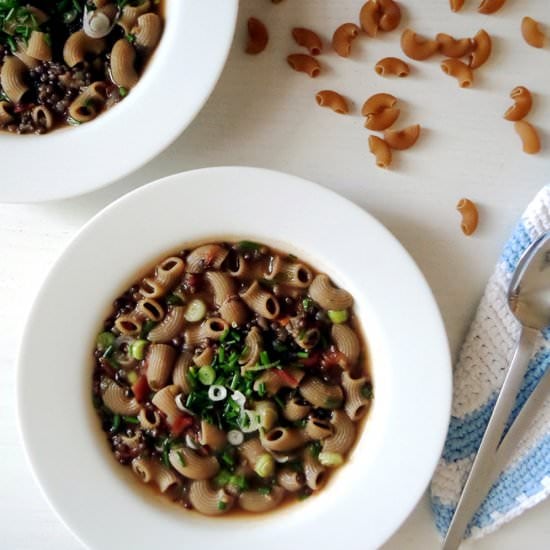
(529, 301)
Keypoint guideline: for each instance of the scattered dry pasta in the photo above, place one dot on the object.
(529, 137)
(470, 216)
(380, 111)
(304, 64)
(392, 66)
(463, 74)
(417, 47)
(402, 139)
(342, 38)
(308, 39)
(333, 100)
(452, 47)
(257, 36)
(482, 49)
(390, 15)
(381, 150)
(532, 33)
(369, 17)
(522, 104)
(490, 6)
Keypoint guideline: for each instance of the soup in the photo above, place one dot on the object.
(232, 377)
(63, 62)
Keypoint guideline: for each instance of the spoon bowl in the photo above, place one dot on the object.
(529, 291)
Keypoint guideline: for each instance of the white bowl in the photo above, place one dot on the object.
(389, 469)
(176, 84)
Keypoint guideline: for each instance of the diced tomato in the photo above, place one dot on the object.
(312, 361)
(287, 378)
(333, 357)
(141, 388)
(181, 423)
(284, 321)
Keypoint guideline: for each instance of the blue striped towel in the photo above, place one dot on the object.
(478, 376)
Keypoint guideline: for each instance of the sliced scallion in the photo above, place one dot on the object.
(196, 310)
(207, 375)
(338, 316)
(137, 349)
(265, 465)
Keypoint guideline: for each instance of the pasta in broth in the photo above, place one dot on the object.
(63, 62)
(232, 377)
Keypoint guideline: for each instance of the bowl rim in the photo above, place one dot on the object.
(66, 151)
(432, 413)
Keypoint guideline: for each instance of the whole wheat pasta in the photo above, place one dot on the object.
(128, 324)
(314, 471)
(209, 501)
(529, 136)
(171, 326)
(327, 295)
(261, 301)
(342, 38)
(253, 501)
(204, 357)
(381, 120)
(294, 273)
(490, 6)
(390, 15)
(356, 404)
(207, 256)
(257, 36)
(532, 33)
(463, 74)
(169, 271)
(274, 382)
(234, 311)
(150, 309)
(482, 49)
(392, 66)
(181, 371)
(223, 286)
(317, 428)
(280, 439)
(470, 216)
(522, 104)
(117, 401)
(369, 17)
(346, 342)
(267, 414)
(417, 47)
(160, 362)
(164, 401)
(343, 433)
(453, 47)
(304, 64)
(332, 100)
(192, 465)
(381, 151)
(308, 39)
(254, 346)
(321, 394)
(212, 436)
(290, 479)
(295, 409)
(402, 139)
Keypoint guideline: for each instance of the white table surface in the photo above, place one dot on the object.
(264, 114)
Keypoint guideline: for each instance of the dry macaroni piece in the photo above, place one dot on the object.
(417, 47)
(522, 104)
(490, 6)
(240, 386)
(529, 136)
(463, 74)
(532, 33)
(402, 139)
(380, 111)
(369, 17)
(308, 39)
(342, 38)
(470, 216)
(392, 66)
(375, 15)
(451, 47)
(305, 64)
(456, 5)
(381, 150)
(257, 36)
(333, 100)
(482, 49)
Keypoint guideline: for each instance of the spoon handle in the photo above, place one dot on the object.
(483, 472)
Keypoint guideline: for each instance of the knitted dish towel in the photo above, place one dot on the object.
(478, 376)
